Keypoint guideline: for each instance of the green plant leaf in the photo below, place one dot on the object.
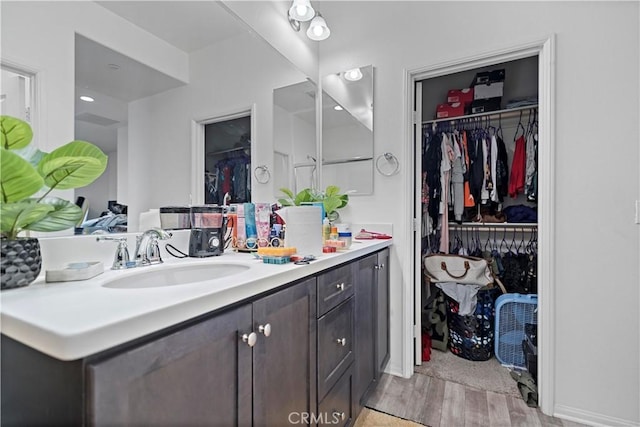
(14, 133)
(73, 165)
(288, 192)
(14, 217)
(304, 195)
(62, 215)
(331, 203)
(344, 199)
(332, 190)
(18, 178)
(285, 202)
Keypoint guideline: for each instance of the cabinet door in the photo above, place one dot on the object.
(382, 321)
(200, 375)
(365, 325)
(284, 368)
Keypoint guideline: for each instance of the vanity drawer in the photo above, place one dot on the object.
(335, 345)
(336, 408)
(334, 287)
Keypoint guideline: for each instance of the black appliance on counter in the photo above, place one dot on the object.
(207, 231)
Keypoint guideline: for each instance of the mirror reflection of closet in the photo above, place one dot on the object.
(228, 161)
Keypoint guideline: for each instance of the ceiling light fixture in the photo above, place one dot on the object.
(353, 75)
(318, 29)
(86, 98)
(338, 108)
(301, 11)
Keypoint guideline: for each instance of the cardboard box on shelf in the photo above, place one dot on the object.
(485, 105)
(485, 77)
(464, 96)
(488, 90)
(444, 111)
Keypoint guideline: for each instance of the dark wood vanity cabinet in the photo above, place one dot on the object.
(250, 365)
(190, 377)
(309, 351)
(371, 323)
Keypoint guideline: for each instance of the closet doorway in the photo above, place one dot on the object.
(221, 160)
(455, 75)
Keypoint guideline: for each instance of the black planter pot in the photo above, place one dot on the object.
(21, 262)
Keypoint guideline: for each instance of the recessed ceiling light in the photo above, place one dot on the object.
(338, 108)
(86, 98)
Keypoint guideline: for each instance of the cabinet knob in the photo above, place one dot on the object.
(265, 329)
(379, 267)
(250, 339)
(340, 286)
(340, 415)
(341, 341)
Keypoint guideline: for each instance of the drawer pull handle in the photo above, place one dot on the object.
(340, 286)
(340, 415)
(265, 329)
(341, 341)
(250, 339)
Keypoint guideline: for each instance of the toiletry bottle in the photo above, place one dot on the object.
(334, 233)
(326, 229)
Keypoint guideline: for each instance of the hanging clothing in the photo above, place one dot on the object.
(476, 172)
(457, 180)
(502, 170)
(445, 178)
(518, 169)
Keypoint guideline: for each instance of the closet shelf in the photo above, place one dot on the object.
(230, 150)
(500, 114)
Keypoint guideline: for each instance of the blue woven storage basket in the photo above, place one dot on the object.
(513, 311)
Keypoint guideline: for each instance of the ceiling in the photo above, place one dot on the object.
(114, 80)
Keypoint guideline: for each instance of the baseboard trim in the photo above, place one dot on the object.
(591, 418)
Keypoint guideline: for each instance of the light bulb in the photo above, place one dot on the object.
(317, 30)
(301, 10)
(353, 75)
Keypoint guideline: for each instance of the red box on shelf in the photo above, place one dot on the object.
(444, 111)
(464, 96)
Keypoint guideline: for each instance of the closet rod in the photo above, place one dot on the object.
(503, 114)
(502, 226)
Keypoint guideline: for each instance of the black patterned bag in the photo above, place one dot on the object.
(472, 337)
(435, 319)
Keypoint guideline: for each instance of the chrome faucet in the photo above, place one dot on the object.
(147, 248)
(121, 258)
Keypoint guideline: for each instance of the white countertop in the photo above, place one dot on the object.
(71, 320)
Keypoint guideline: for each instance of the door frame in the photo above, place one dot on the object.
(198, 144)
(544, 48)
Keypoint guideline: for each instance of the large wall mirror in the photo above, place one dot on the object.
(347, 133)
(294, 137)
(154, 69)
(347, 130)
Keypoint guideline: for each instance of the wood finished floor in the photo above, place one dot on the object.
(438, 403)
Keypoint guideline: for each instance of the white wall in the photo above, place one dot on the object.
(597, 244)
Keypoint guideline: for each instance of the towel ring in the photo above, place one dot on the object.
(391, 159)
(262, 174)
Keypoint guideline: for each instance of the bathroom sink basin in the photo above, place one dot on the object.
(176, 276)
